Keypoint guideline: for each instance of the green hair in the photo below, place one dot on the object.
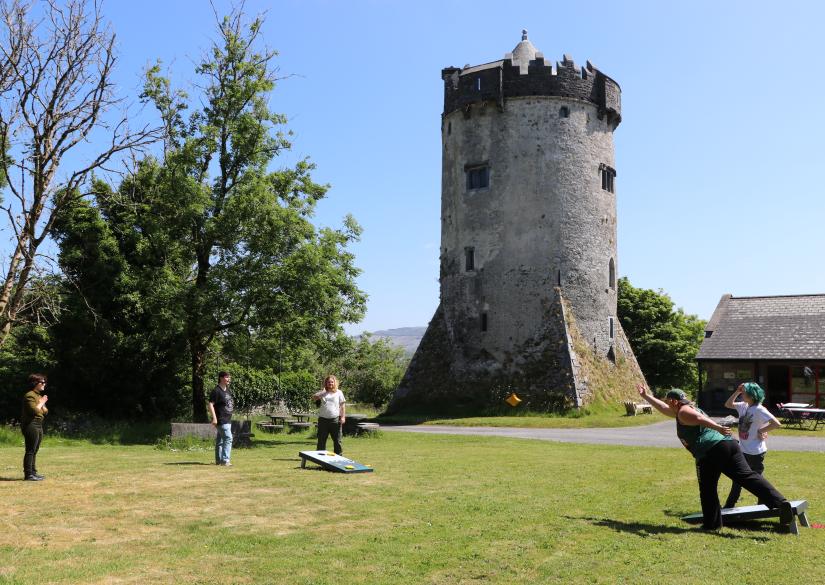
(755, 391)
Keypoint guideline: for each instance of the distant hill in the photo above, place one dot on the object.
(407, 338)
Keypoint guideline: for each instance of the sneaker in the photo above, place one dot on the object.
(32, 478)
(226, 464)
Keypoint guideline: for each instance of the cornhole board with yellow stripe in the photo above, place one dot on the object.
(332, 462)
(732, 515)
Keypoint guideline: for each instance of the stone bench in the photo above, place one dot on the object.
(241, 432)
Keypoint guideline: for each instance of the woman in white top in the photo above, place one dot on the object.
(331, 414)
(754, 423)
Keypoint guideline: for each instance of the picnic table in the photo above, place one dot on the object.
(301, 416)
(802, 417)
(278, 419)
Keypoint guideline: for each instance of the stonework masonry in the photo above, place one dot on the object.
(528, 236)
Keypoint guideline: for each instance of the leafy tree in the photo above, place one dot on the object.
(118, 348)
(237, 237)
(664, 340)
(371, 369)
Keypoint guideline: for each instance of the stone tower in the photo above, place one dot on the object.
(528, 236)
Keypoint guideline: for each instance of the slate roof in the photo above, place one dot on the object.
(766, 328)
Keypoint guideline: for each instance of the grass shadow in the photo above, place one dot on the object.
(11, 479)
(646, 530)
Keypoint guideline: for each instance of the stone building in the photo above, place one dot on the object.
(528, 238)
(777, 341)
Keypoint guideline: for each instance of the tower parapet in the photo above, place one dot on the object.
(525, 73)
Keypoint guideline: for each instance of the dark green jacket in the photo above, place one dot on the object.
(30, 410)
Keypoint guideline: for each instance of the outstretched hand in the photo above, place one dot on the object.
(642, 390)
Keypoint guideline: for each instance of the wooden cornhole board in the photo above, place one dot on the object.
(755, 512)
(332, 462)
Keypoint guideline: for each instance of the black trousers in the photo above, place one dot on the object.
(32, 435)
(726, 457)
(756, 463)
(329, 427)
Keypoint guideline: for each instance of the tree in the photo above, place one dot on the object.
(664, 340)
(55, 95)
(371, 369)
(238, 238)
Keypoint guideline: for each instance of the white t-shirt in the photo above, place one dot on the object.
(331, 404)
(751, 419)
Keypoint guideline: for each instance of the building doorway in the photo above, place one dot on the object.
(778, 388)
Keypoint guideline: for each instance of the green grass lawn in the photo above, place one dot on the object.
(437, 510)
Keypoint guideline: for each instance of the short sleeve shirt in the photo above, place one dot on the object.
(224, 404)
(331, 404)
(751, 419)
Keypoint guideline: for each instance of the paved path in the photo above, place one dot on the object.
(662, 434)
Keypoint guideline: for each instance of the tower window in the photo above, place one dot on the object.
(478, 83)
(608, 177)
(564, 112)
(478, 176)
(484, 321)
(469, 259)
(611, 276)
(612, 332)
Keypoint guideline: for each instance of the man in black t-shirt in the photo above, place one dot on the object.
(221, 405)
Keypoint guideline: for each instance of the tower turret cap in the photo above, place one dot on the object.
(524, 51)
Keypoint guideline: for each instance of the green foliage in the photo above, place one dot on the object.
(26, 351)
(664, 340)
(205, 259)
(369, 369)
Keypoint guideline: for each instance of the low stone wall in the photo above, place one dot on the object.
(202, 430)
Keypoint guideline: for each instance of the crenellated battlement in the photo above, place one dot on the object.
(513, 77)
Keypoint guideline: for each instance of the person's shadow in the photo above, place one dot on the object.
(11, 479)
(646, 530)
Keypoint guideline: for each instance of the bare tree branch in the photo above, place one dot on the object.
(56, 91)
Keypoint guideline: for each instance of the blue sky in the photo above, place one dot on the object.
(720, 184)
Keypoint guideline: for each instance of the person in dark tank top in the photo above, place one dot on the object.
(715, 453)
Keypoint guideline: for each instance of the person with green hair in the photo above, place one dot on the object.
(755, 421)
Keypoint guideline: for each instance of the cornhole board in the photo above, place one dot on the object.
(332, 462)
(755, 512)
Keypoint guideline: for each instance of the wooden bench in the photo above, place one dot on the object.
(634, 408)
(269, 427)
(295, 425)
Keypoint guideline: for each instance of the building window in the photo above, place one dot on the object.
(484, 321)
(564, 112)
(469, 259)
(608, 177)
(612, 332)
(478, 176)
(478, 83)
(611, 274)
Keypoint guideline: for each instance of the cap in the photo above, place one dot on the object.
(676, 394)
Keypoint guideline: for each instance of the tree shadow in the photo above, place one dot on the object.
(189, 463)
(646, 530)
(268, 443)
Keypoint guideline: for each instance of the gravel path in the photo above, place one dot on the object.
(661, 434)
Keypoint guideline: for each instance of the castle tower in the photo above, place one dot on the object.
(528, 234)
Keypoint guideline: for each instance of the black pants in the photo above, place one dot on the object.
(726, 457)
(329, 427)
(757, 464)
(33, 435)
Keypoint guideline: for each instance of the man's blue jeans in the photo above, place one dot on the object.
(223, 444)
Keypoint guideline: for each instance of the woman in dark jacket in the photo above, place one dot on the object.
(31, 423)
